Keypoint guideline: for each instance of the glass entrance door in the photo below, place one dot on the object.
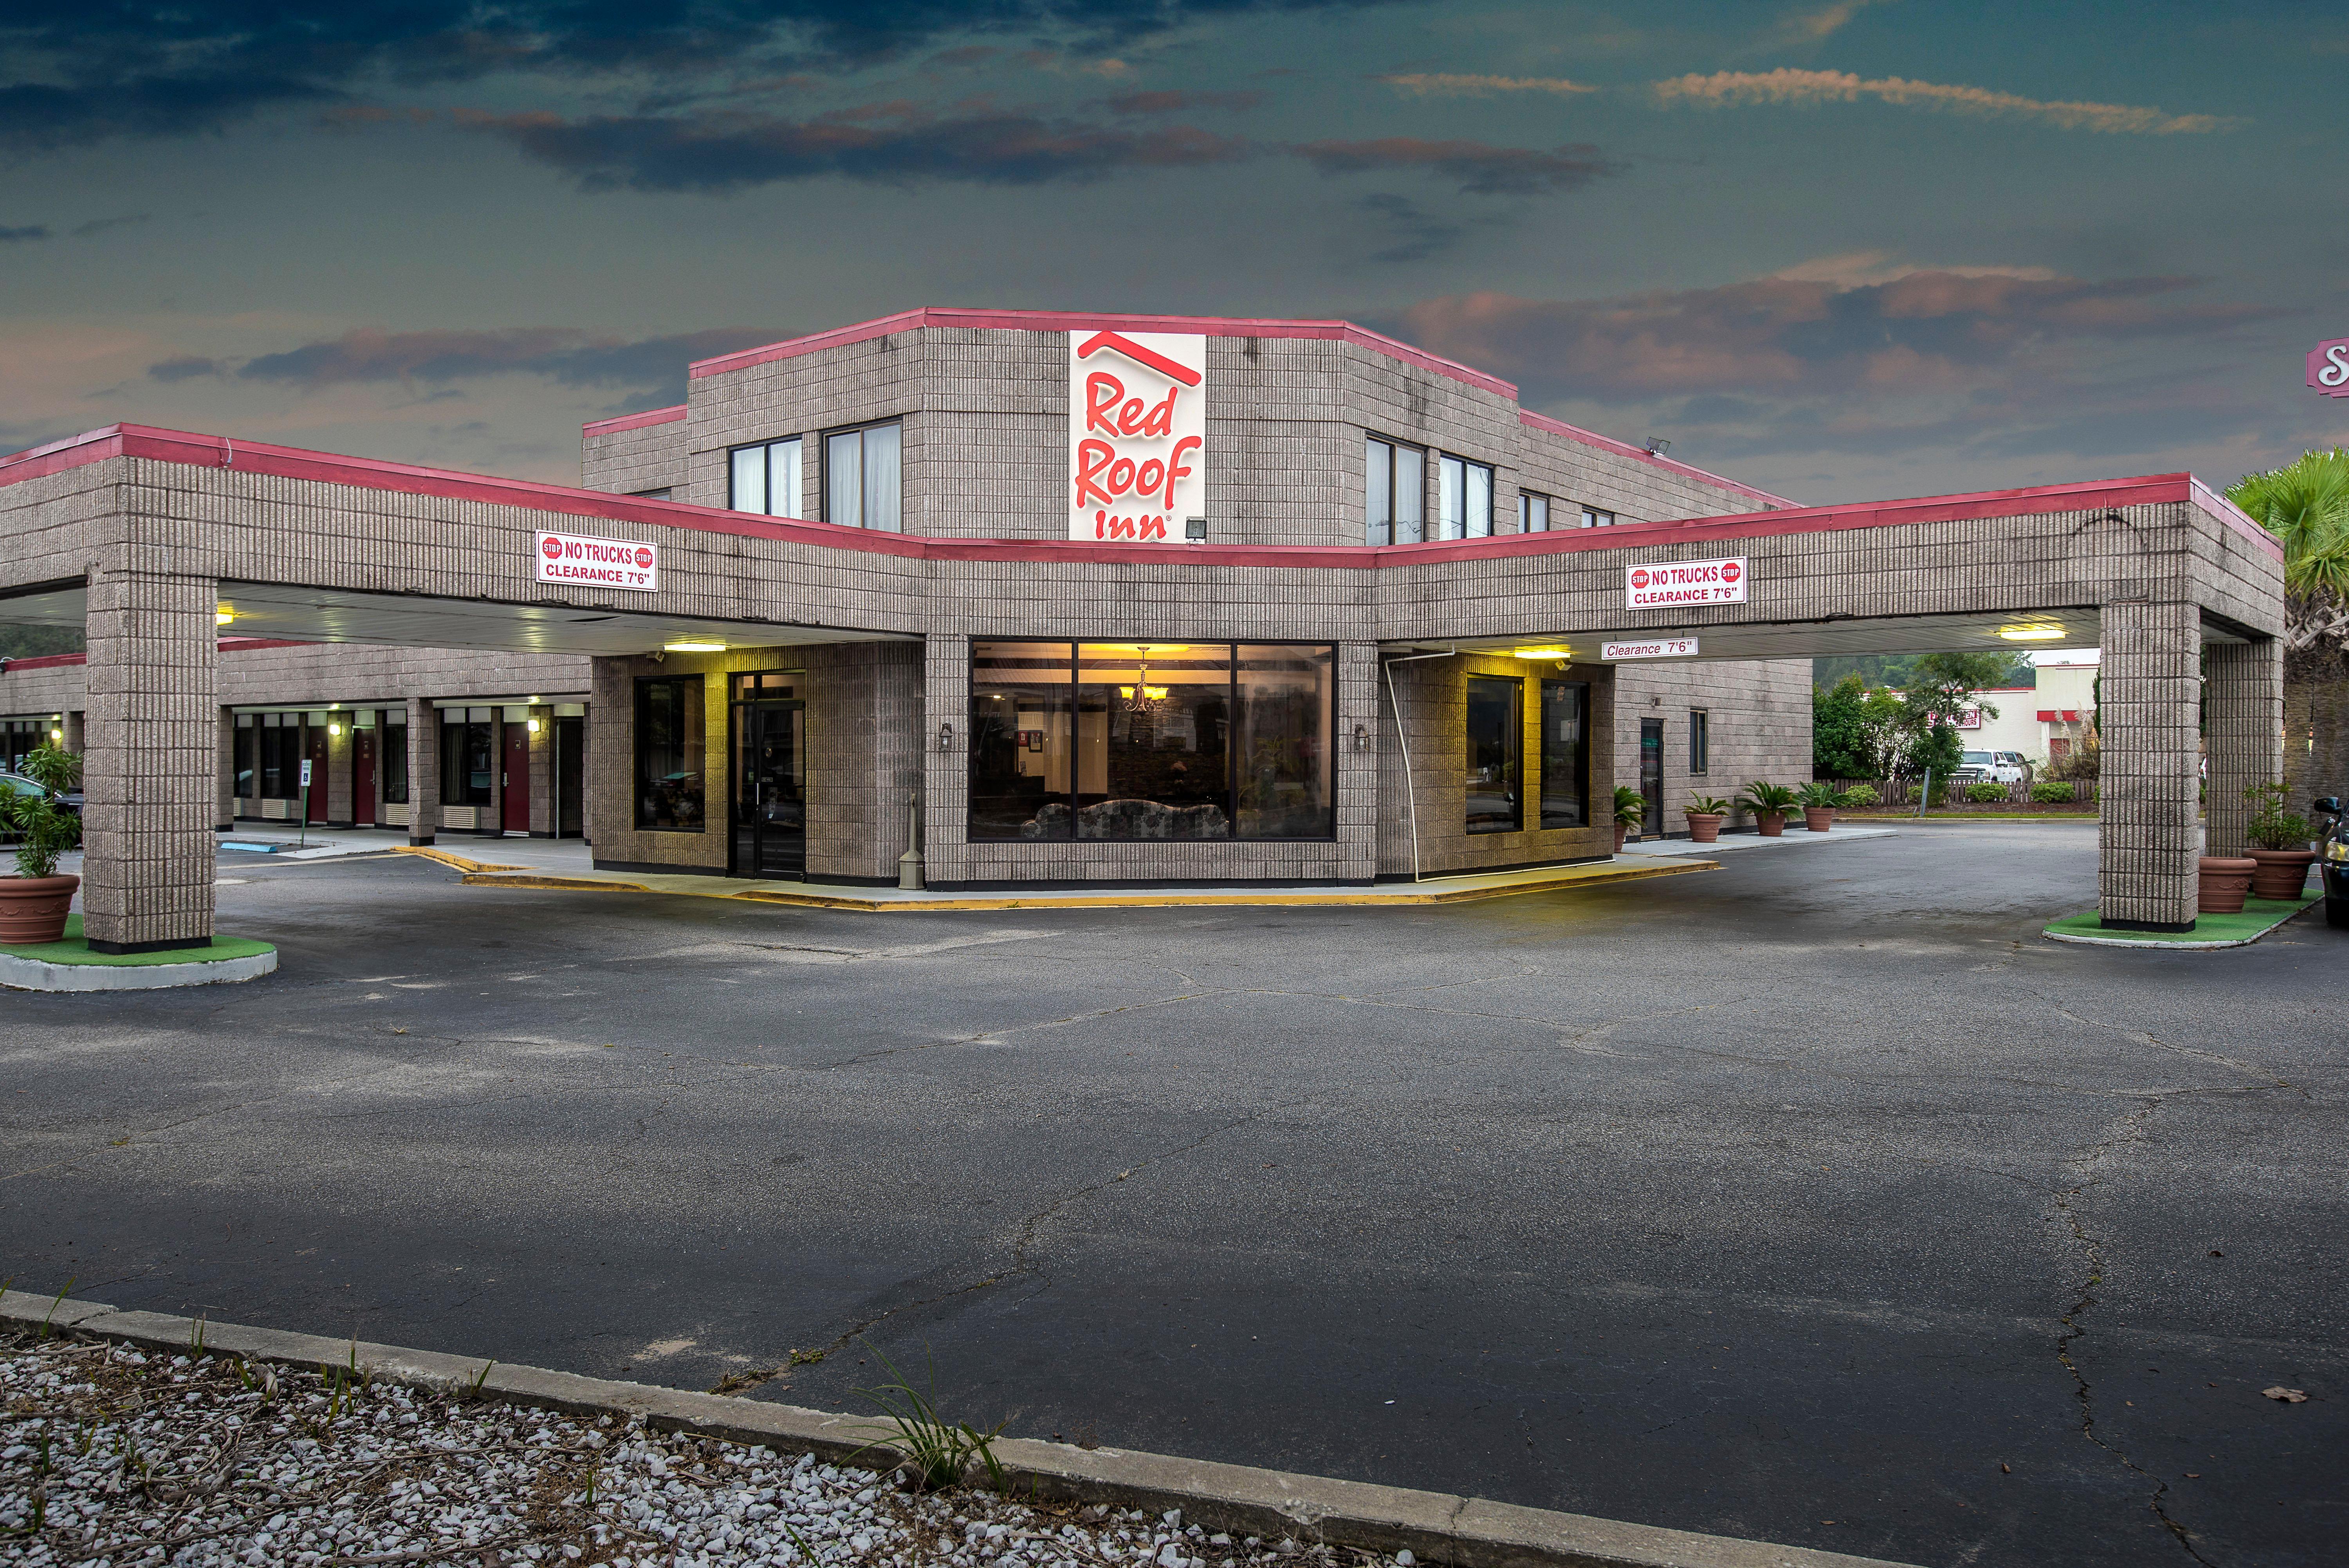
(1651, 776)
(770, 788)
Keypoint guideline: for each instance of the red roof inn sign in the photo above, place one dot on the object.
(1137, 428)
(2328, 367)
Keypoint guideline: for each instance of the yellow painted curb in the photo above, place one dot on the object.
(457, 861)
(504, 879)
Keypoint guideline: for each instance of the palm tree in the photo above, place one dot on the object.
(2305, 505)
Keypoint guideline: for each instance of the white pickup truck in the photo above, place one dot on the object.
(1994, 767)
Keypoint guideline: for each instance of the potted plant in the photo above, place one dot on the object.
(2282, 857)
(1769, 803)
(1705, 816)
(2223, 882)
(1819, 801)
(1631, 811)
(34, 903)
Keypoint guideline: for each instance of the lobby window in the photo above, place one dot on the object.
(1700, 741)
(395, 756)
(281, 756)
(1533, 513)
(468, 755)
(1140, 740)
(669, 753)
(1394, 489)
(1593, 517)
(764, 479)
(862, 478)
(1464, 499)
(244, 770)
(1565, 754)
(1495, 754)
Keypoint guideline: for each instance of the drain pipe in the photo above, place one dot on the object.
(1402, 743)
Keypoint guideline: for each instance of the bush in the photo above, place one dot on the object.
(1858, 797)
(2054, 792)
(1986, 792)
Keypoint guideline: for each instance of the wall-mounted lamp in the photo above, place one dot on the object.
(1361, 737)
(56, 737)
(533, 726)
(1195, 530)
(1658, 446)
(334, 729)
(946, 737)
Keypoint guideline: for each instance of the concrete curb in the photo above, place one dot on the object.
(39, 974)
(1470, 1532)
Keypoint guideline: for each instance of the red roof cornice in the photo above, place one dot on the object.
(1625, 449)
(636, 422)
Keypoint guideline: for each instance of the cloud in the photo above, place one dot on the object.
(184, 367)
(1924, 328)
(1481, 168)
(1450, 84)
(19, 236)
(898, 143)
(1418, 235)
(1816, 25)
(1724, 89)
(1175, 101)
(568, 355)
(98, 226)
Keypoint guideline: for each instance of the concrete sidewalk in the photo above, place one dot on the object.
(1674, 848)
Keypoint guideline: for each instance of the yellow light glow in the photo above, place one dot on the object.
(1155, 693)
(334, 729)
(58, 735)
(533, 726)
(693, 648)
(2029, 633)
(222, 615)
(1544, 653)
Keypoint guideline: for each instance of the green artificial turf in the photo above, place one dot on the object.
(74, 948)
(2259, 916)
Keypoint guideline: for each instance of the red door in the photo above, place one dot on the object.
(516, 779)
(363, 777)
(314, 743)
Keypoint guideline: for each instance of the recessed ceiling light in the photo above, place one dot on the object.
(1544, 653)
(693, 648)
(2029, 633)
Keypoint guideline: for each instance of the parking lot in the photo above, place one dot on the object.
(1815, 1199)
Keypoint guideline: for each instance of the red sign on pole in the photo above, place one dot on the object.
(2328, 368)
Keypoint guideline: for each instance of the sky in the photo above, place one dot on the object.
(1839, 249)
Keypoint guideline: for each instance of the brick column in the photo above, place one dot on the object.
(2148, 839)
(946, 773)
(423, 771)
(338, 767)
(2242, 708)
(74, 741)
(1355, 777)
(224, 807)
(541, 774)
(150, 768)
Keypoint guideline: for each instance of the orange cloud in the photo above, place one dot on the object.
(1725, 89)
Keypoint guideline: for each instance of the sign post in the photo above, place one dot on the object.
(303, 837)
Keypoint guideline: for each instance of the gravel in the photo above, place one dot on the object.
(113, 1456)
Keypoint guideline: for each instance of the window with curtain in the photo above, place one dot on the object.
(1394, 487)
(1533, 513)
(1565, 754)
(1495, 754)
(670, 756)
(1464, 499)
(1593, 517)
(764, 478)
(468, 755)
(862, 478)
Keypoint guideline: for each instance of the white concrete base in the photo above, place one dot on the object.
(39, 974)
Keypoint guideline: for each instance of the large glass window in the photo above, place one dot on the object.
(1533, 513)
(1464, 499)
(1700, 741)
(281, 756)
(670, 756)
(862, 477)
(395, 757)
(468, 755)
(1149, 741)
(1565, 754)
(763, 478)
(246, 768)
(1394, 488)
(1495, 754)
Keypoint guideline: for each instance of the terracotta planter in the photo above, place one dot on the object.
(2224, 883)
(1772, 823)
(33, 909)
(1622, 832)
(1818, 818)
(2282, 874)
(1704, 827)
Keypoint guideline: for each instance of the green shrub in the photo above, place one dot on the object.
(1858, 797)
(2053, 791)
(1986, 792)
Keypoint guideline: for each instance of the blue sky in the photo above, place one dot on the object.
(1842, 250)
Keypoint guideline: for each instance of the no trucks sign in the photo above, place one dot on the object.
(1669, 585)
(598, 562)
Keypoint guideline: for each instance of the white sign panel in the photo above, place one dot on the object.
(1655, 647)
(597, 563)
(1137, 425)
(1662, 584)
(305, 772)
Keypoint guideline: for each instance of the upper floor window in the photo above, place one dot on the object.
(1464, 497)
(764, 479)
(1394, 487)
(1592, 517)
(1533, 513)
(862, 478)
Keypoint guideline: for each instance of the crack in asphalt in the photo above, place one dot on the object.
(2129, 1129)
(2139, 1036)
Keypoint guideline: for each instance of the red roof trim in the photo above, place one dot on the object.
(292, 462)
(46, 661)
(1625, 449)
(637, 421)
(1075, 321)
(227, 645)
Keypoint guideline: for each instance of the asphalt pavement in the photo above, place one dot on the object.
(1815, 1199)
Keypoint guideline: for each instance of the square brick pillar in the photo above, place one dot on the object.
(150, 772)
(74, 741)
(423, 771)
(338, 768)
(1354, 747)
(224, 807)
(2243, 710)
(944, 768)
(542, 772)
(2147, 836)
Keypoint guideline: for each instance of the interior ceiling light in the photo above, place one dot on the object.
(1543, 653)
(222, 615)
(2029, 633)
(693, 648)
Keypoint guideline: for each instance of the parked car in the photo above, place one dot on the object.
(17, 784)
(2332, 861)
(1992, 767)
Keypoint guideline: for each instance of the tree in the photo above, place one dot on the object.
(2305, 505)
(1941, 687)
(1841, 744)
